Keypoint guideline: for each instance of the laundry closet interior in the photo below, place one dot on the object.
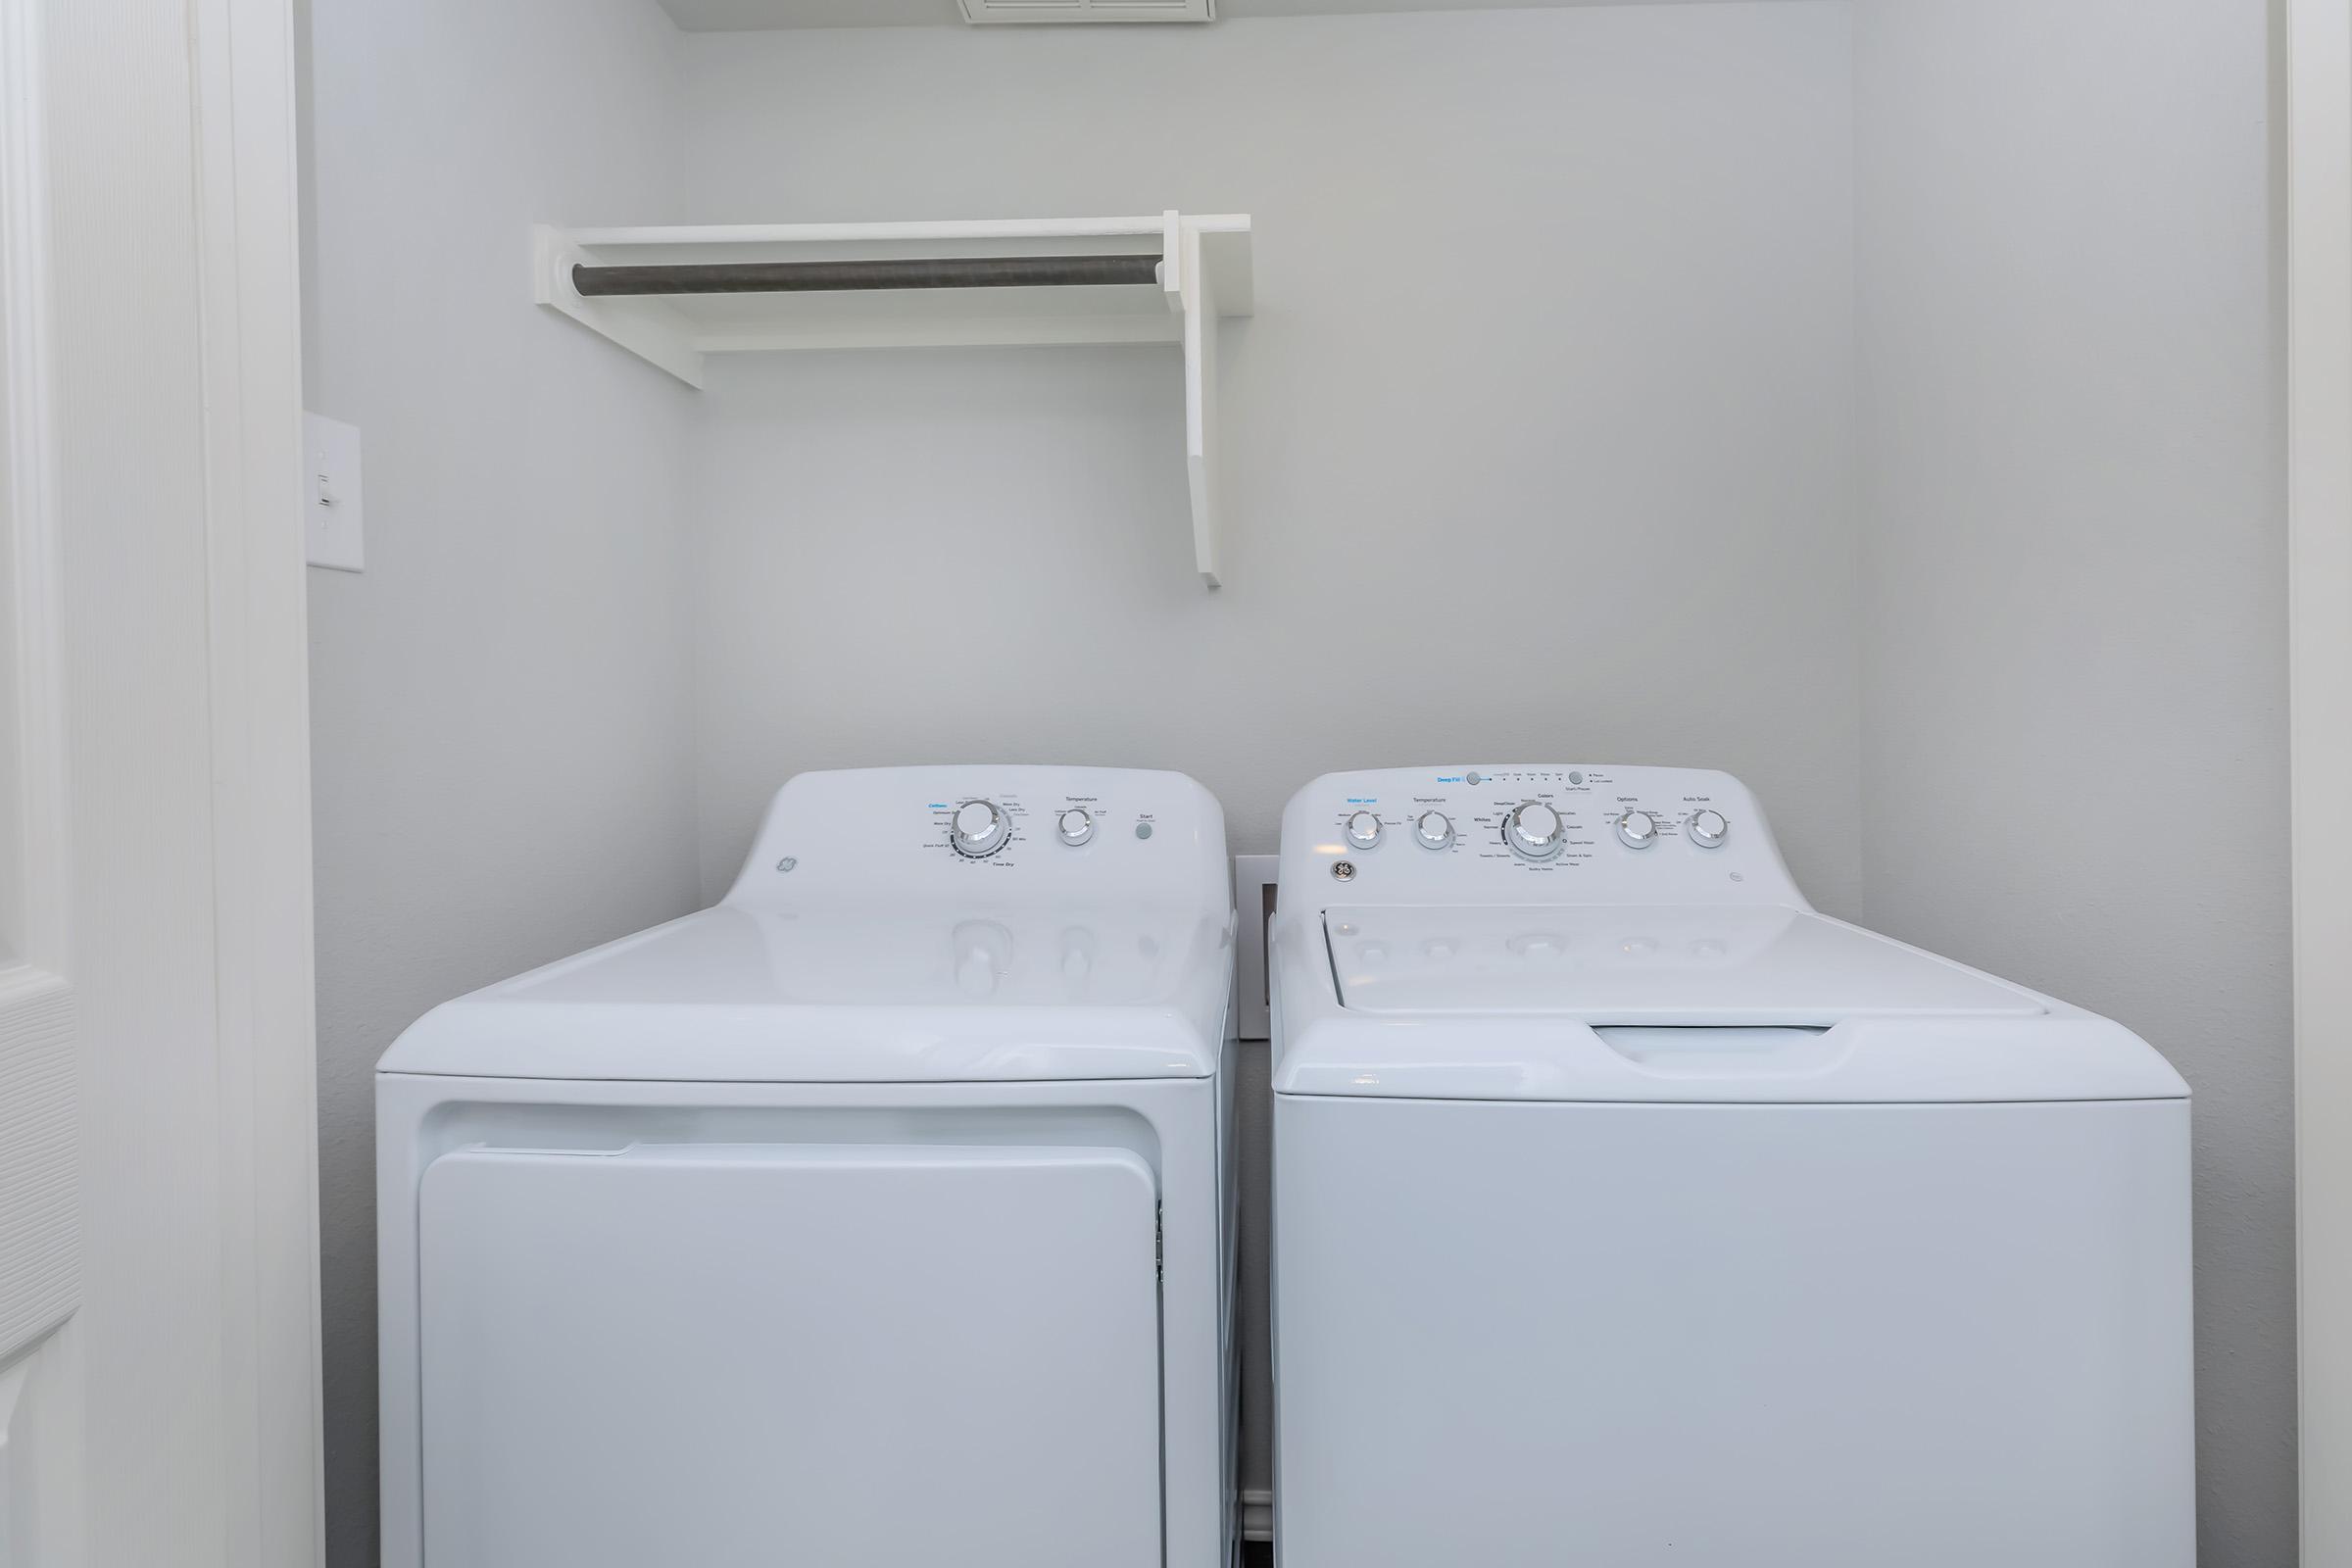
(1877, 399)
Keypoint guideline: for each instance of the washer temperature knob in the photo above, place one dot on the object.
(1708, 829)
(979, 830)
(1075, 827)
(1637, 829)
(1434, 830)
(1535, 830)
(1364, 830)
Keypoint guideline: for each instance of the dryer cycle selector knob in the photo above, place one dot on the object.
(1535, 830)
(1637, 829)
(1364, 830)
(979, 828)
(1075, 827)
(1434, 830)
(1708, 829)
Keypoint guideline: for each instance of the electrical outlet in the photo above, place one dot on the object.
(330, 488)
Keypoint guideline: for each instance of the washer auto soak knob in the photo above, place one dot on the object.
(1637, 829)
(1364, 830)
(979, 830)
(1535, 830)
(1075, 827)
(1434, 830)
(1708, 829)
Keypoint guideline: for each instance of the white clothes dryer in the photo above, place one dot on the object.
(878, 1214)
(1628, 1211)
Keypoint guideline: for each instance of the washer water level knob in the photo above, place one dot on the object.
(1433, 829)
(1637, 829)
(1075, 827)
(1535, 830)
(1364, 830)
(979, 828)
(1708, 829)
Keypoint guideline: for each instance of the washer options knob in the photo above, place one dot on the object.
(978, 829)
(1364, 830)
(1637, 829)
(1075, 827)
(1434, 830)
(1708, 828)
(1535, 830)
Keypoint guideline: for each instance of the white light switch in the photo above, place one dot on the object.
(330, 487)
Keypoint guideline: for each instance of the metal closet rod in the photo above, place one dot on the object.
(807, 277)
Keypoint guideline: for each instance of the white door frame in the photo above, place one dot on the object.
(234, 1480)
(40, 1217)
(249, 257)
(2318, 108)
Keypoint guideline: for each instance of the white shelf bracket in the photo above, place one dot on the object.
(1192, 291)
(637, 325)
(656, 294)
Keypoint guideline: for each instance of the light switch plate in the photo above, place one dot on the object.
(330, 488)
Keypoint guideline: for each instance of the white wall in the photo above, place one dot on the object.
(2075, 750)
(501, 703)
(1540, 446)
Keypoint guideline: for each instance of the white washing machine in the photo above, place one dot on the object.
(879, 1214)
(1629, 1213)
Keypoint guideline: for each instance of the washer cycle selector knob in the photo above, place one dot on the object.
(1535, 830)
(1074, 826)
(1639, 831)
(1708, 829)
(979, 828)
(1364, 830)
(1433, 829)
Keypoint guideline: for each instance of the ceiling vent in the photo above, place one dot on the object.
(985, 11)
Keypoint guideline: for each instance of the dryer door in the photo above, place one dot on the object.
(897, 1357)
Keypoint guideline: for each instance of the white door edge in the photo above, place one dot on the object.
(2319, 79)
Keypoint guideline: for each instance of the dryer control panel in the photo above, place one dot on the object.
(983, 833)
(1520, 833)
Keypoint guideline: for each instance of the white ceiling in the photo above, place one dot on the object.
(731, 16)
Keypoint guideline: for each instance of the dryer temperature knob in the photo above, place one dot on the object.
(1434, 830)
(978, 828)
(1535, 830)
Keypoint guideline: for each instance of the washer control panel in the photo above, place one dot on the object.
(1107, 834)
(1555, 833)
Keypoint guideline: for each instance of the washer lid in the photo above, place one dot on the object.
(1707, 966)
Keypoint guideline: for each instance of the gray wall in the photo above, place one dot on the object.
(2074, 763)
(501, 723)
(1541, 442)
